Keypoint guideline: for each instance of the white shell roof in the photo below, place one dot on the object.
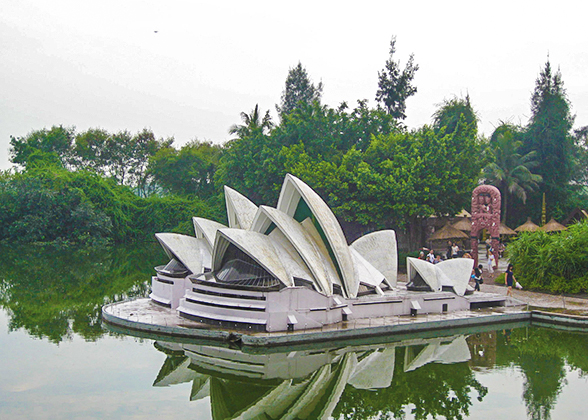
(258, 246)
(458, 271)
(299, 238)
(379, 249)
(190, 251)
(366, 272)
(455, 272)
(426, 270)
(294, 190)
(206, 229)
(240, 210)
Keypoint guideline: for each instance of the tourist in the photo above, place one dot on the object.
(467, 255)
(449, 250)
(437, 259)
(478, 277)
(454, 250)
(421, 255)
(491, 261)
(510, 280)
(431, 256)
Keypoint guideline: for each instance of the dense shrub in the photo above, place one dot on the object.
(556, 262)
(52, 204)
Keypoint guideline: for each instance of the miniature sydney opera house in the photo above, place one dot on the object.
(290, 268)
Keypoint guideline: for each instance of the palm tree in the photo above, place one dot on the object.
(510, 172)
(252, 124)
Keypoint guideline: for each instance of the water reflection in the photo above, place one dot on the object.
(353, 382)
(53, 293)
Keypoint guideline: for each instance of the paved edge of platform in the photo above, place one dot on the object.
(277, 339)
(535, 317)
(216, 335)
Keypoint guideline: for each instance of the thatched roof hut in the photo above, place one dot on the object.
(505, 230)
(553, 226)
(528, 226)
(447, 232)
(464, 224)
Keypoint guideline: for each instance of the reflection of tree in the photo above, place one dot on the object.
(542, 355)
(53, 293)
(435, 390)
(544, 377)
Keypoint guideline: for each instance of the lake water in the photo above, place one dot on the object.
(57, 361)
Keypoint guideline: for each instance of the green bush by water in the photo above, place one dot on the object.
(51, 204)
(554, 262)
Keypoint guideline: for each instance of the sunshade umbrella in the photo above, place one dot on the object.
(464, 224)
(528, 226)
(447, 232)
(505, 230)
(553, 226)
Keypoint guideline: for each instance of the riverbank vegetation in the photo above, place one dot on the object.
(100, 187)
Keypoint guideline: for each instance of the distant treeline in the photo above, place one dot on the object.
(372, 170)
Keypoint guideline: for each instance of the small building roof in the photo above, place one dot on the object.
(464, 224)
(528, 226)
(505, 230)
(553, 226)
(447, 232)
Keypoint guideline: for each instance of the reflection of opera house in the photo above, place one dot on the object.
(290, 268)
(299, 384)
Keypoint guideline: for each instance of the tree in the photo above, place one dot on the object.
(90, 150)
(54, 144)
(394, 86)
(549, 134)
(510, 171)
(581, 141)
(450, 112)
(299, 88)
(253, 124)
(248, 162)
(121, 155)
(189, 170)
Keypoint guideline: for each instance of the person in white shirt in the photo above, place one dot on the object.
(491, 261)
(431, 257)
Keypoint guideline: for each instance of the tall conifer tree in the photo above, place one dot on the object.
(395, 86)
(299, 88)
(549, 134)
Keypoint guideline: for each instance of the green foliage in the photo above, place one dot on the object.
(299, 90)
(450, 112)
(188, 171)
(553, 262)
(31, 210)
(394, 86)
(549, 134)
(510, 171)
(54, 144)
(52, 204)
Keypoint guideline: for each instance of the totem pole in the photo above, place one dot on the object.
(485, 215)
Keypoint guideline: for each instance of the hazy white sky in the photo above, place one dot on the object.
(101, 63)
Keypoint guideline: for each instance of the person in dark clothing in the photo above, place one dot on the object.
(510, 279)
(478, 277)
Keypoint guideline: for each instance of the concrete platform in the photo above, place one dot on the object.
(145, 318)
